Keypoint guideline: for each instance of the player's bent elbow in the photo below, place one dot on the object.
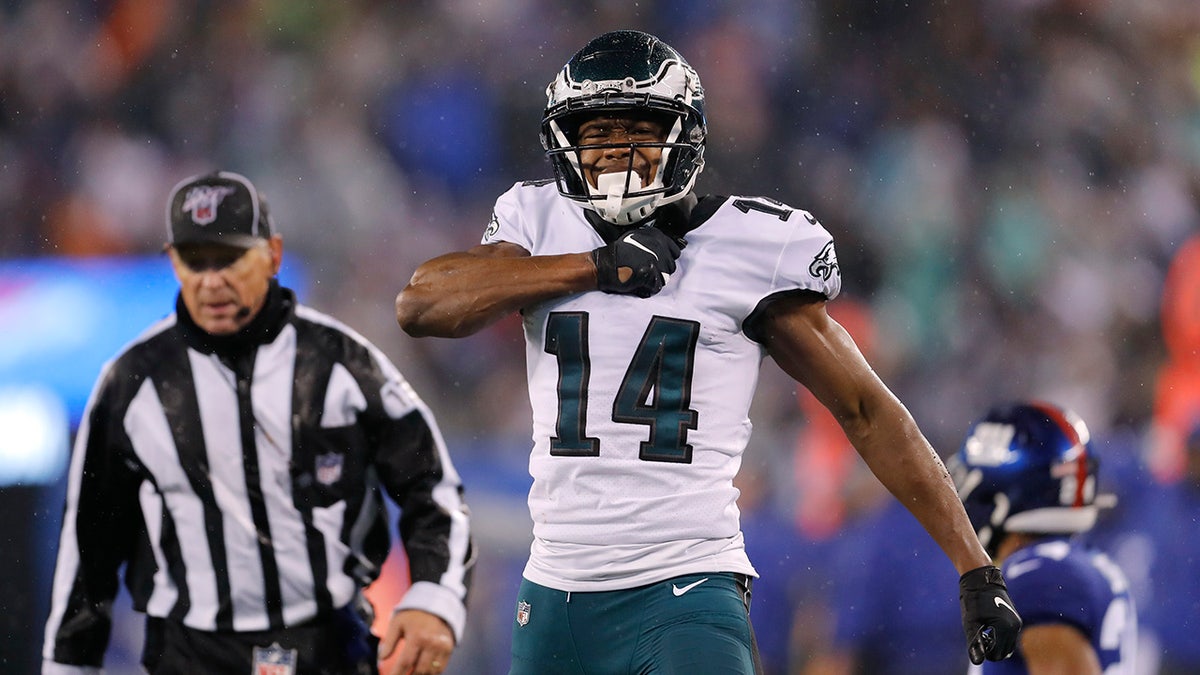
(409, 314)
(420, 318)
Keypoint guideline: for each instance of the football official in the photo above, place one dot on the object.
(234, 458)
(647, 312)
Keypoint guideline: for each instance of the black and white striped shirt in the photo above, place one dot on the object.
(240, 479)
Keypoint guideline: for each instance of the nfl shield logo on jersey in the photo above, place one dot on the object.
(274, 660)
(522, 612)
(329, 468)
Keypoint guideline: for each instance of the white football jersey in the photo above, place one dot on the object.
(640, 405)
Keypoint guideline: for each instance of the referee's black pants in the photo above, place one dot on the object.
(339, 644)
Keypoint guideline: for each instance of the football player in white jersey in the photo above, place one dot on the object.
(647, 312)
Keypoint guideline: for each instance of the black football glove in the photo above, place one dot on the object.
(649, 253)
(989, 619)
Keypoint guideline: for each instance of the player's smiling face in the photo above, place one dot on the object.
(612, 136)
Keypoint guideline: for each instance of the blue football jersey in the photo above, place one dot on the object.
(1060, 581)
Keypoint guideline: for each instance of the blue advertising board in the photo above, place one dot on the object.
(60, 320)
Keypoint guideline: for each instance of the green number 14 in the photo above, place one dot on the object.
(656, 390)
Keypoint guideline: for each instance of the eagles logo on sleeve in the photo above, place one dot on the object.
(492, 228)
(825, 264)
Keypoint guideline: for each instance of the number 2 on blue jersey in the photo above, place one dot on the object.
(656, 390)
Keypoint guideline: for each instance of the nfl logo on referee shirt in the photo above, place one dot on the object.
(274, 660)
(329, 468)
(522, 612)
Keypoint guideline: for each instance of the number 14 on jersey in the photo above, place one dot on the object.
(656, 390)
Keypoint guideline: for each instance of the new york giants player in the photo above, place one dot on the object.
(647, 312)
(1026, 474)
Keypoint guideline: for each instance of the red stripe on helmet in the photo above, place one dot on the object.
(1056, 415)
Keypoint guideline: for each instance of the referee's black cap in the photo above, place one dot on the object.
(221, 207)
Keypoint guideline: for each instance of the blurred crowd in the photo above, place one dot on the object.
(1008, 183)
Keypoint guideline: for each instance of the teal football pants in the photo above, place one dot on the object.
(698, 623)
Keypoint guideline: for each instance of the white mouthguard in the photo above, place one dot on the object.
(615, 186)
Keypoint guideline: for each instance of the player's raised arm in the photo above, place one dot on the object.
(460, 293)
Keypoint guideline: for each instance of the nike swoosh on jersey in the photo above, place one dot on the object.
(1001, 603)
(680, 591)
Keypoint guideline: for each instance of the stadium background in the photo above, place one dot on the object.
(1008, 181)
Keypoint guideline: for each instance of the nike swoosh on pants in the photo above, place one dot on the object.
(680, 591)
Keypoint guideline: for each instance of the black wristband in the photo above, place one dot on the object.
(980, 577)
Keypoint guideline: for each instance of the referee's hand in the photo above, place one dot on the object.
(420, 642)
